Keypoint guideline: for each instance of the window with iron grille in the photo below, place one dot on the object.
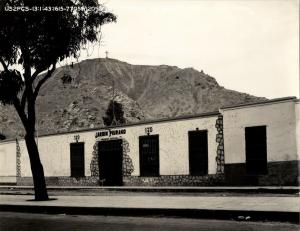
(149, 155)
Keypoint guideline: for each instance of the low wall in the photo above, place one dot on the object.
(280, 173)
(61, 181)
(177, 180)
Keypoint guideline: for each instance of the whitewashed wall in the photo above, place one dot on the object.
(8, 162)
(55, 154)
(280, 120)
(173, 144)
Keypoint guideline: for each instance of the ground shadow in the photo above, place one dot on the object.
(50, 199)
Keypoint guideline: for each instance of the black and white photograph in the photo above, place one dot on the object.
(139, 115)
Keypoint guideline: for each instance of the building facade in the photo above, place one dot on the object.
(250, 144)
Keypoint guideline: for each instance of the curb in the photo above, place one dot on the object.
(239, 215)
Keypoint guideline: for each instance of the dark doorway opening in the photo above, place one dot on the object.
(77, 159)
(110, 162)
(198, 152)
(149, 155)
(256, 150)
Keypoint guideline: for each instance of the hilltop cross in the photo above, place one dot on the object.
(106, 52)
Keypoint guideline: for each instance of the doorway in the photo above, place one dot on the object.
(256, 150)
(198, 152)
(110, 162)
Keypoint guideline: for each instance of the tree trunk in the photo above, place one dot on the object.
(36, 168)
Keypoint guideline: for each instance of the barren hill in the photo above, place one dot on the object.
(146, 92)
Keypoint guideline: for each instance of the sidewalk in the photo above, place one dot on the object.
(216, 207)
(148, 189)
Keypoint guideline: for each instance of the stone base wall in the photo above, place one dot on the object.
(61, 181)
(177, 180)
(282, 173)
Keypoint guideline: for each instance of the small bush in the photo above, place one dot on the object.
(2, 136)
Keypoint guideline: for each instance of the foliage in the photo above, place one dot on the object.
(114, 109)
(66, 79)
(46, 36)
(11, 84)
(37, 40)
(2, 136)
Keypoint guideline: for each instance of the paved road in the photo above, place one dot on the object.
(41, 222)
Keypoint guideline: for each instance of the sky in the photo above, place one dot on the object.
(247, 45)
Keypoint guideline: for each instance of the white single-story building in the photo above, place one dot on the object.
(249, 144)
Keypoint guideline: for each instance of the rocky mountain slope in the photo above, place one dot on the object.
(146, 92)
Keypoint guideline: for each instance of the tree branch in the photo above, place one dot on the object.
(35, 74)
(33, 77)
(21, 112)
(3, 64)
(26, 63)
(23, 99)
(43, 80)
